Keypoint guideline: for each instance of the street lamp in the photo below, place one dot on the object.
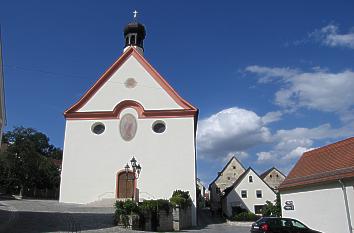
(136, 173)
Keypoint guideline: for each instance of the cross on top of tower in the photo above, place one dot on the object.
(135, 14)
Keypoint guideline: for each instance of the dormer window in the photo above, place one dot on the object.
(250, 179)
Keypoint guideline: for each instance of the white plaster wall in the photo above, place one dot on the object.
(350, 194)
(91, 162)
(147, 92)
(234, 196)
(319, 207)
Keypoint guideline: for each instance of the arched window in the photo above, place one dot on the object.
(132, 39)
(126, 185)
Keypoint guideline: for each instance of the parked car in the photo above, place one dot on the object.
(280, 225)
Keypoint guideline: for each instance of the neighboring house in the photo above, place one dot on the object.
(201, 187)
(229, 174)
(130, 111)
(273, 177)
(201, 194)
(249, 192)
(2, 94)
(319, 190)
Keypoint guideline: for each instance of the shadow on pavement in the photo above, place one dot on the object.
(205, 219)
(31, 222)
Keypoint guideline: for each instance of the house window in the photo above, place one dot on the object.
(228, 178)
(250, 179)
(244, 193)
(270, 176)
(277, 175)
(218, 190)
(259, 193)
(233, 167)
(258, 209)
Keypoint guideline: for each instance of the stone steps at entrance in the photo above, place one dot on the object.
(104, 202)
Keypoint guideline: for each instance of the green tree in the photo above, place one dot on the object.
(27, 161)
(271, 209)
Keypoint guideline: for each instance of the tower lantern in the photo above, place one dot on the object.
(134, 35)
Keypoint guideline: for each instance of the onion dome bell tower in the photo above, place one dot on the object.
(134, 35)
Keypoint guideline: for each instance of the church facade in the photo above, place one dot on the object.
(130, 112)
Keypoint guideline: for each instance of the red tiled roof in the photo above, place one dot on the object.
(332, 162)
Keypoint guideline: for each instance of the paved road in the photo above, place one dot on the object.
(33, 216)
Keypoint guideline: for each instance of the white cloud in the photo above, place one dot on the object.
(291, 144)
(295, 153)
(330, 36)
(272, 117)
(265, 156)
(318, 89)
(240, 155)
(268, 73)
(231, 130)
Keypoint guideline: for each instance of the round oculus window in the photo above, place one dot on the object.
(159, 127)
(98, 128)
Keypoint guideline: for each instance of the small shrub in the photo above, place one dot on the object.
(123, 210)
(246, 216)
(181, 198)
(155, 205)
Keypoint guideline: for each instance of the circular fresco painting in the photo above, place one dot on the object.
(128, 127)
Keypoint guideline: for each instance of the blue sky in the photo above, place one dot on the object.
(272, 79)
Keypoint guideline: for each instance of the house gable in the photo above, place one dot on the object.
(229, 174)
(131, 78)
(233, 195)
(273, 177)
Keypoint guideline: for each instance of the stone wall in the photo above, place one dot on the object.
(274, 179)
(175, 220)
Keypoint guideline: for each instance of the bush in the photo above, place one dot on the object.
(181, 198)
(273, 210)
(155, 205)
(246, 216)
(123, 210)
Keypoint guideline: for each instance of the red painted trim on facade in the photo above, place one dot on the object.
(105, 77)
(117, 183)
(142, 113)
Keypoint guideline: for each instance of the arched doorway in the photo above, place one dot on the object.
(126, 185)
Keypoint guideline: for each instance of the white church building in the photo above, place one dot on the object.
(131, 111)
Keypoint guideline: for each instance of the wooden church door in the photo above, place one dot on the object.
(125, 185)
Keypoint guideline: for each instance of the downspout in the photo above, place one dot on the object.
(346, 206)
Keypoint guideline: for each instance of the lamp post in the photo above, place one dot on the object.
(136, 173)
